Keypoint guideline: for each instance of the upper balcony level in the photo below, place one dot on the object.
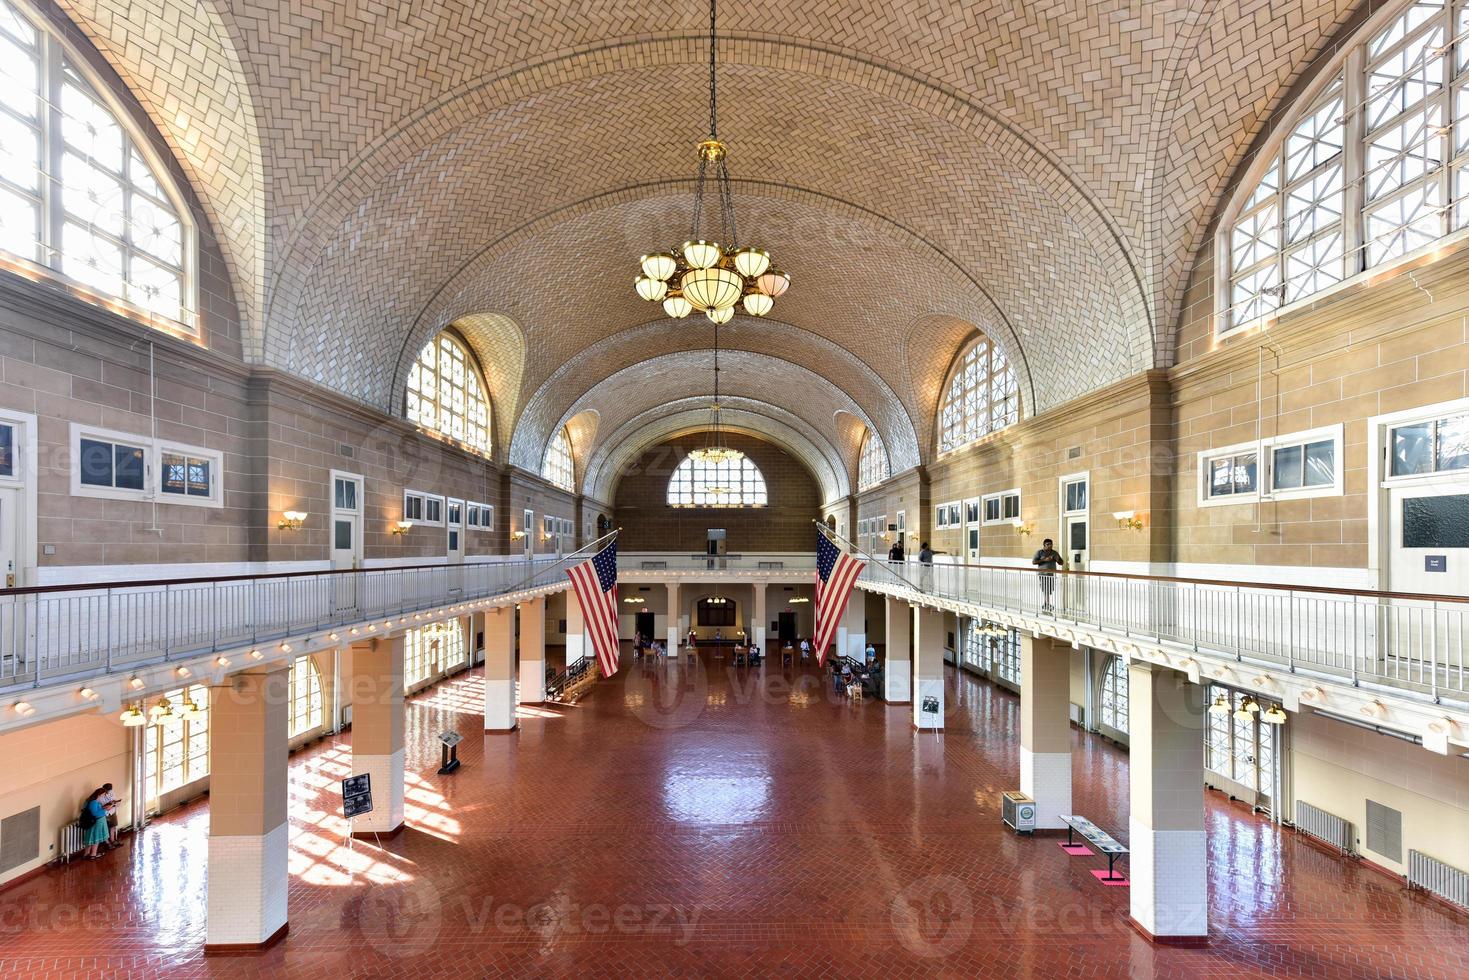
(1389, 659)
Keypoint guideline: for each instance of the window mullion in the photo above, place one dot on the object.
(1446, 122)
(54, 150)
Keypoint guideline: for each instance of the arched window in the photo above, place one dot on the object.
(1319, 211)
(872, 466)
(446, 393)
(77, 194)
(983, 397)
(1114, 693)
(176, 747)
(557, 465)
(306, 707)
(738, 483)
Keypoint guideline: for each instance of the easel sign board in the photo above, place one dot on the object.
(356, 795)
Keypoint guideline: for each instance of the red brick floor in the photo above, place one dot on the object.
(683, 823)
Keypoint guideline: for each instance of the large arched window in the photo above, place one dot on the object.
(306, 706)
(1371, 167)
(738, 483)
(983, 396)
(1114, 691)
(557, 467)
(77, 193)
(446, 393)
(872, 466)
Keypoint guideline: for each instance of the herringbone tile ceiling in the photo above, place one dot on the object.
(1043, 172)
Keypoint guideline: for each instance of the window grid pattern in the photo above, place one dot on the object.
(447, 395)
(306, 702)
(738, 483)
(1114, 694)
(431, 650)
(75, 194)
(557, 466)
(872, 465)
(177, 753)
(1406, 183)
(997, 655)
(1239, 749)
(983, 397)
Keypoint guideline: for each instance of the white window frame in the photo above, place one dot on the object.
(153, 453)
(424, 500)
(1264, 450)
(413, 497)
(1001, 496)
(478, 516)
(942, 519)
(53, 47)
(1418, 416)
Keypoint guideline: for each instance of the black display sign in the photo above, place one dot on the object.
(930, 706)
(356, 795)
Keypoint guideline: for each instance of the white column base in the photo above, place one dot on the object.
(760, 638)
(1046, 778)
(499, 704)
(248, 881)
(1170, 881)
(928, 687)
(532, 681)
(897, 681)
(387, 793)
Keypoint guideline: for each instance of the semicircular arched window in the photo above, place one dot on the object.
(446, 393)
(78, 193)
(872, 465)
(738, 483)
(1367, 169)
(983, 396)
(557, 466)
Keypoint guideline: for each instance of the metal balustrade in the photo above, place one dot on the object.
(52, 632)
(1415, 642)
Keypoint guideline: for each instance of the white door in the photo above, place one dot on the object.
(454, 530)
(347, 536)
(13, 659)
(529, 526)
(971, 530)
(1428, 553)
(1075, 543)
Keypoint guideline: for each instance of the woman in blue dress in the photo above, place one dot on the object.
(96, 831)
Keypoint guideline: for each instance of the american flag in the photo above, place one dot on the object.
(595, 581)
(836, 573)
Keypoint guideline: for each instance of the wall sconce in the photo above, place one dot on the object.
(292, 520)
(402, 527)
(546, 535)
(1128, 520)
(87, 694)
(517, 535)
(23, 708)
(221, 661)
(136, 683)
(1273, 715)
(1022, 528)
(133, 717)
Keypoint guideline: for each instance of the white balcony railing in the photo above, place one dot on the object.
(1415, 642)
(53, 632)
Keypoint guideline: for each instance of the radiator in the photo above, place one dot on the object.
(1324, 826)
(1443, 880)
(72, 839)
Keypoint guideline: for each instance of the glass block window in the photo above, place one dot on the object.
(557, 466)
(306, 704)
(738, 483)
(1113, 694)
(1406, 180)
(872, 466)
(77, 195)
(446, 393)
(983, 397)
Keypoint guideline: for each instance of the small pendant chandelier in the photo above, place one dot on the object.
(716, 451)
(703, 274)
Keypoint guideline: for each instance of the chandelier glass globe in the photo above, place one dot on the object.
(701, 254)
(757, 303)
(676, 306)
(720, 314)
(651, 289)
(773, 283)
(715, 288)
(659, 265)
(751, 262)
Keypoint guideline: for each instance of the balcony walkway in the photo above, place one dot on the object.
(741, 828)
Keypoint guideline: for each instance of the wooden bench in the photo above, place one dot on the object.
(1096, 837)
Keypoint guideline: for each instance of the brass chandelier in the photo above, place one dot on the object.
(703, 274)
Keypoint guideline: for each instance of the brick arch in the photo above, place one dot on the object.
(689, 415)
(498, 343)
(584, 369)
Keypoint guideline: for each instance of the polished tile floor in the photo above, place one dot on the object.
(705, 822)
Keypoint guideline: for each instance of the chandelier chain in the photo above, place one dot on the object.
(713, 88)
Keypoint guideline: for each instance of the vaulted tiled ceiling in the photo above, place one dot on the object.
(1041, 171)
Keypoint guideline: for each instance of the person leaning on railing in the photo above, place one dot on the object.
(1048, 559)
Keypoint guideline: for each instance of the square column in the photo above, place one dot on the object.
(852, 631)
(928, 666)
(1169, 859)
(1045, 727)
(897, 668)
(499, 628)
(576, 629)
(377, 731)
(249, 836)
(673, 630)
(533, 651)
(759, 622)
